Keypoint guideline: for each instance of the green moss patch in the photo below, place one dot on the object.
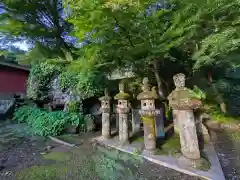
(122, 95)
(52, 172)
(139, 139)
(170, 146)
(58, 156)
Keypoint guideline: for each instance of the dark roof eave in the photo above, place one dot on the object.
(14, 66)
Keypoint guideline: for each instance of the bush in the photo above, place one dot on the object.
(46, 123)
(73, 106)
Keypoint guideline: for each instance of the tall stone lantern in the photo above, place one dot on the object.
(106, 114)
(123, 109)
(185, 102)
(148, 114)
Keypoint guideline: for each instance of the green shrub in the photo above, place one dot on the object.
(73, 106)
(46, 123)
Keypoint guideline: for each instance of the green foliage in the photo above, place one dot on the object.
(215, 112)
(177, 36)
(199, 93)
(39, 80)
(73, 106)
(221, 34)
(46, 123)
(84, 81)
(38, 22)
(220, 117)
(140, 39)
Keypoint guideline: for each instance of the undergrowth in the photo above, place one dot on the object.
(46, 123)
(216, 114)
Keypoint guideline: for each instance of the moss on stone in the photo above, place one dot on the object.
(184, 93)
(184, 99)
(122, 96)
(58, 156)
(148, 94)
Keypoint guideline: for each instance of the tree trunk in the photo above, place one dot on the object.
(159, 81)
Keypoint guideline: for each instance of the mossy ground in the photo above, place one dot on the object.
(65, 165)
(139, 139)
(50, 172)
(58, 156)
(169, 146)
(104, 164)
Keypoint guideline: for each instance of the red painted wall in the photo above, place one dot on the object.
(12, 80)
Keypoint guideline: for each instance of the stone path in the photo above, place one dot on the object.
(22, 157)
(227, 145)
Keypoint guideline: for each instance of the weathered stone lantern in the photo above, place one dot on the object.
(148, 114)
(123, 109)
(185, 102)
(106, 114)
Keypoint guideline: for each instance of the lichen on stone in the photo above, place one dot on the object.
(150, 94)
(184, 98)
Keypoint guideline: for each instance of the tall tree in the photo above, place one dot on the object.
(40, 21)
(144, 34)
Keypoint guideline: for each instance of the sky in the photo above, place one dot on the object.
(21, 45)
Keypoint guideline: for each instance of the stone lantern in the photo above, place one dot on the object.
(123, 109)
(106, 111)
(185, 102)
(148, 114)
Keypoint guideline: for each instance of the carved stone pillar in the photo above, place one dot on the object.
(148, 114)
(106, 114)
(123, 109)
(183, 101)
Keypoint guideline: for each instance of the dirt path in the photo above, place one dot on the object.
(24, 157)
